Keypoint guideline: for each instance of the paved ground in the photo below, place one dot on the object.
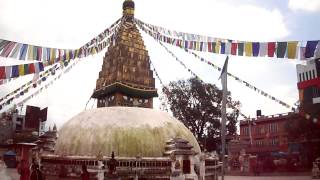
(8, 174)
(11, 174)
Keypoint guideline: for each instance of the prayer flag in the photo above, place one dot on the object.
(234, 48)
(209, 47)
(15, 51)
(248, 48)
(217, 47)
(26, 69)
(263, 49)
(15, 71)
(35, 52)
(31, 68)
(8, 71)
(23, 52)
(255, 48)
(2, 72)
(292, 49)
(30, 52)
(228, 47)
(281, 49)
(36, 67)
(302, 53)
(240, 49)
(310, 48)
(271, 49)
(223, 48)
(21, 70)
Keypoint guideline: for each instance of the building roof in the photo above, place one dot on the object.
(128, 131)
(275, 117)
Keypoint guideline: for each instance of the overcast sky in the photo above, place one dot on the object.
(70, 24)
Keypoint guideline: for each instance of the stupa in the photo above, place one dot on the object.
(147, 143)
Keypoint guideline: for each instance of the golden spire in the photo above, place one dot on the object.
(128, 8)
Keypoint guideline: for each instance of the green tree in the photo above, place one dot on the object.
(306, 132)
(198, 106)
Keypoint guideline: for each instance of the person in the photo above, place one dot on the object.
(85, 174)
(36, 174)
(23, 170)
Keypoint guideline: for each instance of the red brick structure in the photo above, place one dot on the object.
(266, 135)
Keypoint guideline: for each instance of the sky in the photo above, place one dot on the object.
(70, 24)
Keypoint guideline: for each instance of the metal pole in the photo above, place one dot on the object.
(223, 113)
(223, 133)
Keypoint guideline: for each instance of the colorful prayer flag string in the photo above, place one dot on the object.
(280, 50)
(154, 35)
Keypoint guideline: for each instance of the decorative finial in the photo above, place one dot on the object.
(128, 8)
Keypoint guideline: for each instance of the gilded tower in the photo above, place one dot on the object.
(125, 78)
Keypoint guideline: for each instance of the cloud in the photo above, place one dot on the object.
(218, 19)
(304, 5)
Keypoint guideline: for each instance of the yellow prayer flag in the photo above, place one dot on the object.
(248, 48)
(77, 53)
(93, 51)
(292, 49)
(217, 47)
(67, 55)
(21, 69)
(198, 46)
(30, 52)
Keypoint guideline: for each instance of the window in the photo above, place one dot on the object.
(303, 78)
(307, 77)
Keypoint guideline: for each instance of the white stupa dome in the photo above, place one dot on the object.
(128, 131)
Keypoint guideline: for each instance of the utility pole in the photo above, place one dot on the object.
(223, 77)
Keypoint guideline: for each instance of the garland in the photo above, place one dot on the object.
(8, 99)
(51, 55)
(263, 93)
(303, 114)
(14, 71)
(286, 49)
(195, 75)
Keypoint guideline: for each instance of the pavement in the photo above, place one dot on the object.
(8, 173)
(12, 174)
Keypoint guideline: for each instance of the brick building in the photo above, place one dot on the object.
(269, 136)
(266, 135)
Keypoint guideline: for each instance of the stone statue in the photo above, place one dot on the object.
(112, 164)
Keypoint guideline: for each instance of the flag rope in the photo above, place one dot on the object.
(300, 50)
(259, 91)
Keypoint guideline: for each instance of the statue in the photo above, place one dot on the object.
(112, 164)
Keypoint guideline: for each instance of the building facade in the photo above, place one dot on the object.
(266, 135)
(309, 87)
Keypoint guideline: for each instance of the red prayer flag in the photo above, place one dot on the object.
(31, 68)
(2, 72)
(234, 48)
(271, 49)
(209, 47)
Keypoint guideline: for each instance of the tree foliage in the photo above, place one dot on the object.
(306, 132)
(198, 106)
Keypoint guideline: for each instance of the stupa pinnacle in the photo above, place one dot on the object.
(125, 78)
